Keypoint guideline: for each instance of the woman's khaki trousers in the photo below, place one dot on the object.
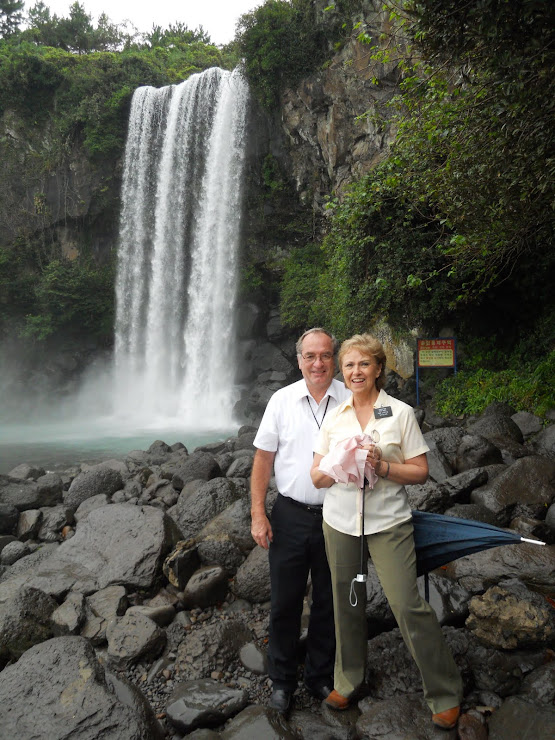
(393, 555)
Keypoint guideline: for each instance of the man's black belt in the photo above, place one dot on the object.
(313, 508)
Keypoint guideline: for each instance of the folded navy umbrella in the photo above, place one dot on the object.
(439, 539)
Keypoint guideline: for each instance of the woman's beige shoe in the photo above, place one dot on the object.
(448, 719)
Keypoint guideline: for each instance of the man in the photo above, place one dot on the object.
(294, 535)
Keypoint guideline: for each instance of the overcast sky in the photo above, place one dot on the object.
(217, 17)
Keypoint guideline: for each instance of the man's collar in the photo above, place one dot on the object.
(302, 391)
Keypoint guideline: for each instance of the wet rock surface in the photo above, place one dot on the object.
(59, 689)
(148, 599)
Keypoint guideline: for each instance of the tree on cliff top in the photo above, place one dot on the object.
(283, 41)
(76, 33)
(11, 16)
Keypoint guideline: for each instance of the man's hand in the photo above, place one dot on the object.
(261, 531)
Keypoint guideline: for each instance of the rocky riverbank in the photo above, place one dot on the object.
(134, 605)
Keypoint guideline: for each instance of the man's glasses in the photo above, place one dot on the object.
(310, 357)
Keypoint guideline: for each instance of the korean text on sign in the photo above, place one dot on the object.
(436, 353)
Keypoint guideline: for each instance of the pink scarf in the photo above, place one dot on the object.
(346, 463)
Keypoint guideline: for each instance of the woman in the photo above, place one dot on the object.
(388, 532)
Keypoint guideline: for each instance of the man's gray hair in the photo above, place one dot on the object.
(315, 330)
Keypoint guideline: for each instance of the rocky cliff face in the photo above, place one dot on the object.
(50, 186)
(335, 122)
(332, 128)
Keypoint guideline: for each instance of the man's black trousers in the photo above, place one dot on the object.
(297, 549)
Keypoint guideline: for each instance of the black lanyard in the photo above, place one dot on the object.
(314, 415)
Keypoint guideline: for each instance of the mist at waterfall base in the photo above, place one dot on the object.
(173, 369)
(56, 432)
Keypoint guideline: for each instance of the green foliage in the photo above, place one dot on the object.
(17, 282)
(281, 42)
(457, 224)
(300, 304)
(28, 81)
(268, 38)
(271, 174)
(11, 16)
(475, 134)
(380, 259)
(483, 33)
(87, 96)
(72, 294)
(175, 35)
(76, 33)
(525, 380)
(42, 293)
(383, 258)
(251, 282)
(528, 388)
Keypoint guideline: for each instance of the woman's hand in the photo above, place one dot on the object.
(374, 454)
(319, 479)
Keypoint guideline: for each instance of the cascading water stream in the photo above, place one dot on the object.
(177, 258)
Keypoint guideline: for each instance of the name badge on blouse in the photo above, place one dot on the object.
(383, 412)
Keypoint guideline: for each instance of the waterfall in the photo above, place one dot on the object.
(177, 254)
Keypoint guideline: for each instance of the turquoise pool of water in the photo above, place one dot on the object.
(58, 445)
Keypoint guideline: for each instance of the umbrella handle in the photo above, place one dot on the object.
(359, 578)
(532, 542)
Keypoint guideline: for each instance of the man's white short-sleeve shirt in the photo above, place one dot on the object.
(289, 428)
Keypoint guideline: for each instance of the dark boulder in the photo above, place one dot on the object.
(198, 466)
(544, 442)
(397, 717)
(447, 440)
(59, 689)
(517, 718)
(226, 539)
(196, 508)
(27, 472)
(475, 451)
(529, 481)
(119, 544)
(211, 647)
(252, 580)
(24, 619)
(207, 587)
(496, 427)
(203, 703)
(93, 482)
(25, 494)
(134, 637)
(258, 722)
(9, 517)
(532, 564)
(528, 423)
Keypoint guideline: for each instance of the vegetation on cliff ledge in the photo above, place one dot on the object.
(283, 41)
(456, 226)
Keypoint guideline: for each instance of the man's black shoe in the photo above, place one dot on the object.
(319, 692)
(281, 701)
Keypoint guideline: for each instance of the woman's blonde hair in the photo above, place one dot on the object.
(367, 344)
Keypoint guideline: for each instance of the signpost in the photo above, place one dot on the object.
(438, 352)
